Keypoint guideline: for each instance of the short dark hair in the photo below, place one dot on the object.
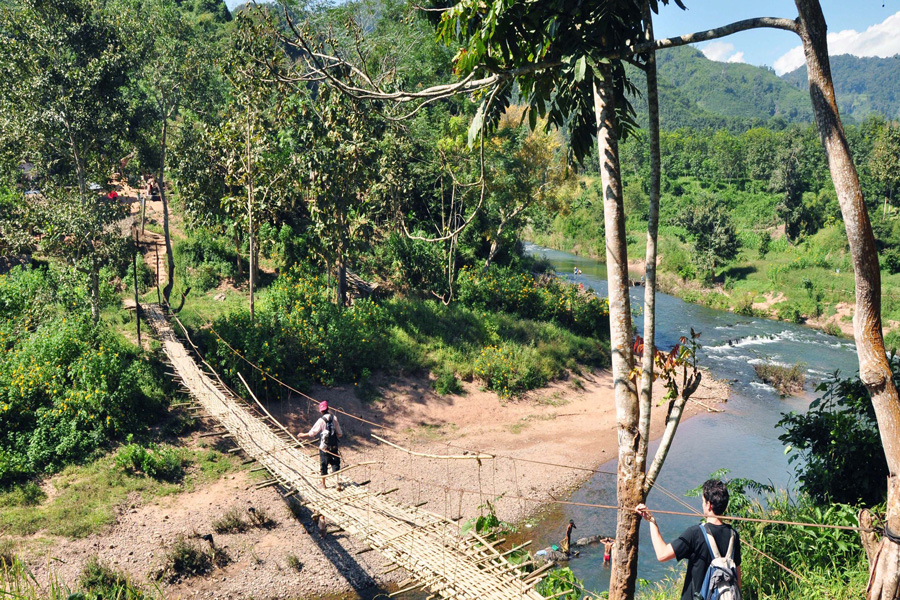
(716, 493)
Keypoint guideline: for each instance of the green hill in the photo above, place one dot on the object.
(863, 85)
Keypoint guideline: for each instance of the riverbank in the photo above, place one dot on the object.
(800, 284)
(571, 423)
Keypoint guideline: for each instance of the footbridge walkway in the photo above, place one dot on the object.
(427, 545)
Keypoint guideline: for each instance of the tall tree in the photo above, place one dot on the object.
(874, 368)
(63, 72)
(336, 146)
(178, 64)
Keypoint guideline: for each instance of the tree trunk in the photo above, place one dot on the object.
(252, 267)
(341, 282)
(237, 252)
(170, 258)
(629, 481)
(95, 291)
(874, 369)
(646, 391)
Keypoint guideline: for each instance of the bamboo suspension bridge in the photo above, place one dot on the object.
(427, 545)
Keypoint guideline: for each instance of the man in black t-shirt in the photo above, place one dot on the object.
(692, 545)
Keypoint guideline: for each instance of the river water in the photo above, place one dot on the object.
(743, 439)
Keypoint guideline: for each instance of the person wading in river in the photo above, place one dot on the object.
(328, 430)
(693, 545)
(567, 541)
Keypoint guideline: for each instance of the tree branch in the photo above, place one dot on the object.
(712, 34)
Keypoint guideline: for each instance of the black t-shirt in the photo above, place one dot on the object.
(692, 546)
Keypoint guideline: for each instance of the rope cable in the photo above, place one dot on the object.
(553, 500)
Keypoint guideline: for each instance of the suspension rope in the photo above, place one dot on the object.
(551, 499)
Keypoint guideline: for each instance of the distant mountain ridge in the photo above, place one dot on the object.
(863, 85)
(699, 93)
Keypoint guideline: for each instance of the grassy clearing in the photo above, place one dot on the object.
(87, 495)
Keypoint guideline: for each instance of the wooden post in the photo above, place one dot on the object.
(143, 202)
(137, 304)
(158, 295)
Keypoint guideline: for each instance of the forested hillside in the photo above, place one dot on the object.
(754, 95)
(864, 85)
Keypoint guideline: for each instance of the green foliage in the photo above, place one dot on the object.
(836, 444)
(508, 370)
(186, 559)
(832, 562)
(452, 338)
(205, 259)
(87, 497)
(414, 264)
(231, 522)
(560, 581)
(99, 581)
(144, 276)
(446, 382)
(158, 462)
(66, 386)
(765, 240)
(548, 299)
(861, 84)
(301, 335)
(714, 236)
(294, 563)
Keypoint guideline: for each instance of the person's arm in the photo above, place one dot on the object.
(739, 576)
(316, 429)
(663, 550)
(337, 426)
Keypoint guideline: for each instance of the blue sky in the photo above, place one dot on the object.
(859, 27)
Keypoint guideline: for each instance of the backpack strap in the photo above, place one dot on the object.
(711, 543)
(730, 553)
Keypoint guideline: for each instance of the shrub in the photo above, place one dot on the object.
(890, 261)
(788, 312)
(838, 439)
(300, 335)
(205, 259)
(548, 299)
(294, 563)
(765, 243)
(231, 522)
(260, 518)
(560, 583)
(186, 559)
(100, 580)
(507, 371)
(786, 379)
(66, 386)
(144, 276)
(156, 462)
(446, 382)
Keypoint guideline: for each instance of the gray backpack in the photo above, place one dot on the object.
(720, 582)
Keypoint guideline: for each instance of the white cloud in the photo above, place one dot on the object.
(722, 52)
(881, 39)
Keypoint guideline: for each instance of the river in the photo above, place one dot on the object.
(743, 439)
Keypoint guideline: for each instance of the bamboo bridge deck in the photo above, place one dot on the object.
(427, 545)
